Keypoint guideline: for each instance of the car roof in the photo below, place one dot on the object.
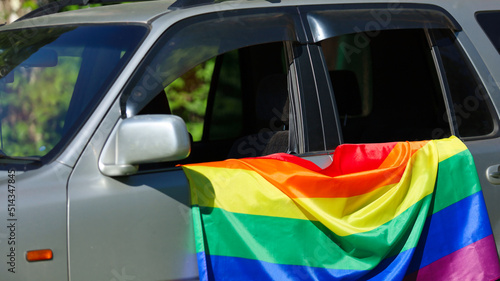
(147, 11)
(134, 12)
(137, 12)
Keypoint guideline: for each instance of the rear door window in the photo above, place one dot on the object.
(398, 73)
(470, 105)
(388, 90)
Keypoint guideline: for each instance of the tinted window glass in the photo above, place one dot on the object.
(490, 21)
(225, 113)
(209, 98)
(386, 89)
(470, 102)
(188, 94)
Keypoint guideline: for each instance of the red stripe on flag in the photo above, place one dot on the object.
(299, 178)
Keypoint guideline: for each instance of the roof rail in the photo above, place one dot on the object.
(56, 6)
(190, 3)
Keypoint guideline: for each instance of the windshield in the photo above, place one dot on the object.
(50, 80)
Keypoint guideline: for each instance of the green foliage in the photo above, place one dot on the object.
(34, 107)
(188, 96)
(33, 100)
(77, 7)
(30, 5)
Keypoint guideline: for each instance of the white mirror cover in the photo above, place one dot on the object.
(152, 138)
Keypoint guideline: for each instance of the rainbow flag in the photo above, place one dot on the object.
(392, 211)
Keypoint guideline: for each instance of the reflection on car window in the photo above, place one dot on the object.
(49, 80)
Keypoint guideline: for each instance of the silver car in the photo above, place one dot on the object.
(99, 106)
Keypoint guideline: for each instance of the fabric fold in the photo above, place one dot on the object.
(379, 211)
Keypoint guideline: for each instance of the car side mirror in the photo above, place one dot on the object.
(144, 139)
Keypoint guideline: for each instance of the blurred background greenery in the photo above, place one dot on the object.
(188, 94)
(11, 10)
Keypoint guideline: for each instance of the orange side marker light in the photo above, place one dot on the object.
(39, 255)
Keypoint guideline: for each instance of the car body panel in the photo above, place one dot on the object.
(34, 218)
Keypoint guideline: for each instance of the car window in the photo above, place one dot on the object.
(387, 91)
(490, 21)
(471, 107)
(209, 99)
(226, 79)
(235, 103)
(398, 74)
(225, 114)
(187, 96)
(51, 77)
(198, 39)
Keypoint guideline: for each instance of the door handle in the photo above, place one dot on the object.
(493, 174)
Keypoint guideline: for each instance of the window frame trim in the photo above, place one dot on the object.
(356, 17)
(443, 81)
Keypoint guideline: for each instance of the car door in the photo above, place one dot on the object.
(404, 72)
(482, 47)
(211, 70)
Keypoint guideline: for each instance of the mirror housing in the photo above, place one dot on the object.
(144, 139)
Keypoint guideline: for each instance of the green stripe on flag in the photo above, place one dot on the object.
(308, 243)
(453, 182)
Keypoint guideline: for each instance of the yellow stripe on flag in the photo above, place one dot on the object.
(253, 195)
(449, 147)
(344, 216)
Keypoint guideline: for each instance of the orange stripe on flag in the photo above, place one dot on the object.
(311, 184)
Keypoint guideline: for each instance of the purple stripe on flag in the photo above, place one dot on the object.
(452, 229)
(480, 258)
